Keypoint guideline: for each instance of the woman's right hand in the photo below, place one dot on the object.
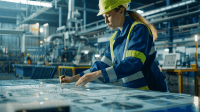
(66, 79)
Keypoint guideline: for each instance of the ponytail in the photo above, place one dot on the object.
(137, 17)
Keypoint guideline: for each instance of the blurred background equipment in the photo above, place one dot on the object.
(42, 39)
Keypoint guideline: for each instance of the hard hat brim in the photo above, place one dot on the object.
(103, 11)
(99, 14)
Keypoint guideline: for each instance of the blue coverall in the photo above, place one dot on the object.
(138, 69)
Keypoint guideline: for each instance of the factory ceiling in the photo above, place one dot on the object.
(10, 10)
(178, 16)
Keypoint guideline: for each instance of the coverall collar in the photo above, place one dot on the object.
(125, 28)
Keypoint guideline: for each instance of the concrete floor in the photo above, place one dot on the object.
(188, 82)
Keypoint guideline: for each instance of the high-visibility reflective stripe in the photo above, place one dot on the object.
(136, 54)
(133, 77)
(153, 49)
(111, 74)
(139, 22)
(106, 60)
(111, 47)
(110, 71)
(135, 23)
(128, 37)
(132, 26)
(112, 41)
(86, 71)
(144, 88)
(148, 29)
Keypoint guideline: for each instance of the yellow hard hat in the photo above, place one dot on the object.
(28, 54)
(108, 5)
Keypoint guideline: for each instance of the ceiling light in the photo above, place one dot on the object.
(37, 3)
(166, 50)
(86, 52)
(196, 101)
(196, 38)
(41, 30)
(140, 11)
(46, 24)
(97, 55)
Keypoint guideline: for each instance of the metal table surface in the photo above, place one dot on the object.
(19, 95)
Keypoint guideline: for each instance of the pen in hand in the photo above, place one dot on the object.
(62, 77)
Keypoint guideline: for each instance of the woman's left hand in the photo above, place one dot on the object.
(89, 77)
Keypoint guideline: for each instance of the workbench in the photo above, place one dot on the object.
(76, 69)
(51, 95)
(180, 73)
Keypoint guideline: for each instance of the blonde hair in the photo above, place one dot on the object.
(137, 17)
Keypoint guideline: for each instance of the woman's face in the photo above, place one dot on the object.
(114, 19)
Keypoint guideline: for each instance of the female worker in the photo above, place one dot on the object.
(131, 53)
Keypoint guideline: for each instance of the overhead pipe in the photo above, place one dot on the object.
(187, 26)
(168, 7)
(187, 30)
(157, 15)
(69, 9)
(51, 38)
(148, 5)
(175, 35)
(34, 15)
(176, 45)
(175, 17)
(81, 9)
(179, 27)
(70, 12)
(161, 44)
(84, 14)
(149, 17)
(60, 16)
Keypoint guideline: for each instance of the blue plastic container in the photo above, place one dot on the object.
(44, 72)
(24, 70)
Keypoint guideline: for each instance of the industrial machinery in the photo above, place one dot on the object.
(67, 45)
(182, 59)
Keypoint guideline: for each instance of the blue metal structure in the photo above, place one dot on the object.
(44, 72)
(35, 72)
(24, 70)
